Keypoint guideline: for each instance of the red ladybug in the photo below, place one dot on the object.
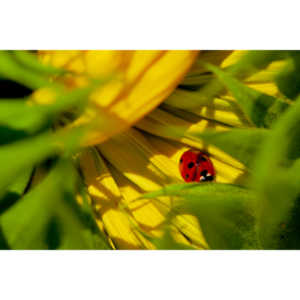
(196, 166)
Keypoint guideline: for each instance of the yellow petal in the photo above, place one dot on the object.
(134, 157)
(126, 219)
(151, 215)
(164, 124)
(189, 228)
(141, 80)
(106, 200)
(233, 58)
(225, 173)
(148, 216)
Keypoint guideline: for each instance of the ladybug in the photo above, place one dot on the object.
(195, 166)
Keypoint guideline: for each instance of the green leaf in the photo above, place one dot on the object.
(190, 99)
(20, 183)
(13, 193)
(11, 69)
(241, 144)
(288, 233)
(24, 154)
(215, 57)
(254, 61)
(30, 61)
(21, 155)
(90, 230)
(288, 80)
(15, 190)
(167, 242)
(249, 63)
(31, 117)
(9, 135)
(225, 212)
(277, 177)
(170, 190)
(47, 216)
(255, 104)
(21, 116)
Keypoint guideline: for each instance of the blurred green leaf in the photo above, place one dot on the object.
(31, 117)
(21, 182)
(288, 233)
(90, 230)
(191, 98)
(225, 212)
(24, 154)
(19, 115)
(167, 242)
(277, 177)
(15, 190)
(288, 80)
(241, 144)
(46, 217)
(255, 104)
(254, 61)
(11, 69)
(250, 63)
(9, 135)
(30, 61)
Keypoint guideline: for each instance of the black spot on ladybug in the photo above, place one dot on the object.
(203, 173)
(186, 175)
(190, 165)
(181, 160)
(203, 158)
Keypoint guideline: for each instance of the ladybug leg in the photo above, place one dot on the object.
(209, 177)
(205, 176)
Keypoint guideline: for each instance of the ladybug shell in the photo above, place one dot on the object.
(195, 166)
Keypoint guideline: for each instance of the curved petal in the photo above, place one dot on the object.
(141, 80)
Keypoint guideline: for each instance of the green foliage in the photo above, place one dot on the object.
(256, 105)
(272, 219)
(241, 144)
(53, 219)
(225, 212)
(254, 61)
(13, 70)
(288, 79)
(47, 215)
(206, 86)
(18, 115)
(29, 60)
(20, 155)
(167, 242)
(44, 215)
(15, 190)
(277, 179)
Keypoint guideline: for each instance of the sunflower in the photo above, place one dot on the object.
(143, 110)
(120, 168)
